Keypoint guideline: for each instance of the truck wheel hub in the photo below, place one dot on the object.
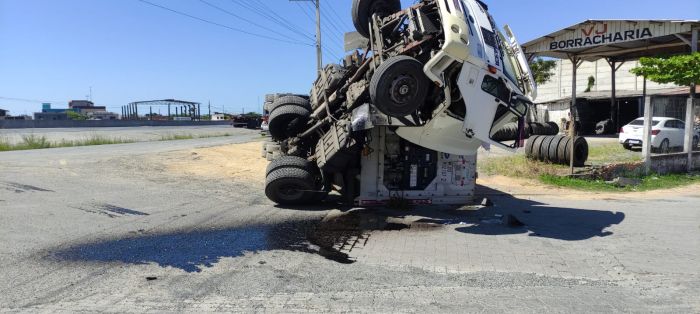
(402, 89)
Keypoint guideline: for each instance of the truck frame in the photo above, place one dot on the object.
(404, 114)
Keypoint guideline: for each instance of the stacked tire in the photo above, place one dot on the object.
(548, 128)
(557, 149)
(288, 116)
(509, 132)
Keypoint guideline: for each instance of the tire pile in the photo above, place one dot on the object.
(509, 132)
(557, 149)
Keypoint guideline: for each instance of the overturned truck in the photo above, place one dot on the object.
(404, 114)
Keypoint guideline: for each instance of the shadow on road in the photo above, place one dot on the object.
(334, 236)
(539, 219)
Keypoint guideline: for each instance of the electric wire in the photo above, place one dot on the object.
(225, 26)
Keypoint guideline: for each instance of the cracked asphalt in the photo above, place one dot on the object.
(110, 229)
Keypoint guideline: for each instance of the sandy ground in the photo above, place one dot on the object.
(238, 162)
(242, 163)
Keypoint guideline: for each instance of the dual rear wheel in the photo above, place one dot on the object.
(292, 180)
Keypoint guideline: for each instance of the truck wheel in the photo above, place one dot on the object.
(290, 186)
(362, 11)
(287, 121)
(290, 100)
(291, 162)
(399, 86)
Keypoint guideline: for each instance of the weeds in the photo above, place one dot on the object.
(33, 141)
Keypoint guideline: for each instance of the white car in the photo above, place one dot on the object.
(666, 133)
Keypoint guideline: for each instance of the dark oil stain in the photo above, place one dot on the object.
(21, 188)
(109, 210)
(192, 251)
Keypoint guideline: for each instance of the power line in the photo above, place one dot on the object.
(242, 18)
(339, 19)
(268, 13)
(225, 26)
(325, 49)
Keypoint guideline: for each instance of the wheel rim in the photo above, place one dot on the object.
(403, 88)
(664, 146)
(290, 192)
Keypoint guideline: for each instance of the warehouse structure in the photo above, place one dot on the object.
(604, 52)
(618, 42)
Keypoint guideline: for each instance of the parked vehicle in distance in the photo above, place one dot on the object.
(666, 133)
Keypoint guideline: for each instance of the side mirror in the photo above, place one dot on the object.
(519, 104)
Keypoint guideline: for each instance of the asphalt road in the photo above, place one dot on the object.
(108, 228)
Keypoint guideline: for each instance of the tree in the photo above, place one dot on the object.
(75, 116)
(682, 70)
(542, 70)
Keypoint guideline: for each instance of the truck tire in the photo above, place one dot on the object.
(291, 162)
(399, 86)
(362, 11)
(290, 186)
(290, 100)
(529, 145)
(287, 121)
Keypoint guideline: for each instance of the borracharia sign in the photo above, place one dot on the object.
(609, 32)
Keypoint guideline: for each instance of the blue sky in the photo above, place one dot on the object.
(127, 50)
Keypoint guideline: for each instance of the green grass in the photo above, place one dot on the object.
(649, 183)
(612, 153)
(518, 166)
(41, 142)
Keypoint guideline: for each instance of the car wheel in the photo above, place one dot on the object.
(665, 147)
(399, 86)
(362, 11)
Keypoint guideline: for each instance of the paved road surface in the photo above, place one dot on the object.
(110, 229)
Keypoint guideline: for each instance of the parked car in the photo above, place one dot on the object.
(666, 133)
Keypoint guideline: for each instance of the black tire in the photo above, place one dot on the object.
(290, 100)
(580, 152)
(562, 150)
(553, 152)
(536, 147)
(627, 146)
(665, 146)
(544, 148)
(529, 145)
(291, 162)
(290, 186)
(362, 11)
(287, 121)
(399, 86)
(553, 128)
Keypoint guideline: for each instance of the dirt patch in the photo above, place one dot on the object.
(238, 162)
(526, 187)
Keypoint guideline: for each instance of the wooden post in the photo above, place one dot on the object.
(575, 62)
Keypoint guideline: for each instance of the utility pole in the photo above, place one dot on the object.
(319, 53)
(210, 110)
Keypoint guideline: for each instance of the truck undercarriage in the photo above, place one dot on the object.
(389, 122)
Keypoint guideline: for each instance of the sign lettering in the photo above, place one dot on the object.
(599, 35)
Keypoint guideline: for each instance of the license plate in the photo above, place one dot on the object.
(635, 141)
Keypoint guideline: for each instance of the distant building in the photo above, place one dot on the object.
(80, 104)
(218, 117)
(51, 115)
(102, 115)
